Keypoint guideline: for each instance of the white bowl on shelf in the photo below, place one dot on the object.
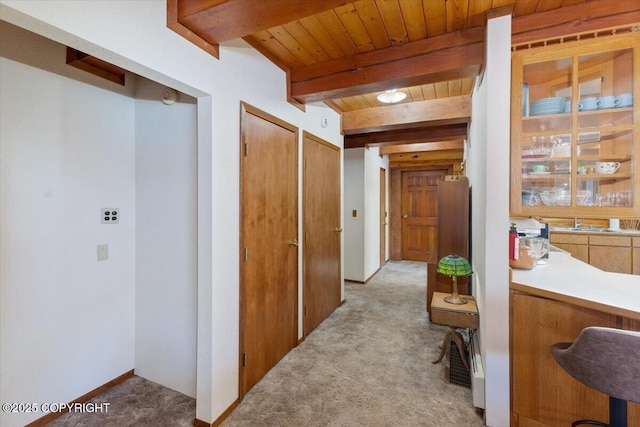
(583, 198)
(548, 198)
(555, 196)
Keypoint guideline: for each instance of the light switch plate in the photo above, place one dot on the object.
(110, 215)
(103, 252)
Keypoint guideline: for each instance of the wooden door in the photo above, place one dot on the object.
(420, 215)
(321, 225)
(383, 216)
(268, 241)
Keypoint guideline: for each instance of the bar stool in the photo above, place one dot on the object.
(607, 360)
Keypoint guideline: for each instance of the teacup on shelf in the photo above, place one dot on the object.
(624, 100)
(540, 168)
(609, 101)
(607, 167)
(588, 104)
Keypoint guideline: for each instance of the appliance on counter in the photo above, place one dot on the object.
(529, 228)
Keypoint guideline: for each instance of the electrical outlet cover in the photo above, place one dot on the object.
(103, 252)
(110, 216)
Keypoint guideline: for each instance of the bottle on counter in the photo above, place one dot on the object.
(513, 243)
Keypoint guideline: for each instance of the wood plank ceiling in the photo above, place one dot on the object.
(346, 52)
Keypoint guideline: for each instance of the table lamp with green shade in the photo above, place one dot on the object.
(454, 266)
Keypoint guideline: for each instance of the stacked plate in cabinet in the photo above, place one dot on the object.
(547, 106)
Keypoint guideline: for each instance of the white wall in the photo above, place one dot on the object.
(66, 150)
(354, 240)
(132, 34)
(488, 169)
(166, 238)
(362, 192)
(372, 164)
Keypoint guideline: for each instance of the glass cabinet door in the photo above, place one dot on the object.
(605, 128)
(574, 130)
(546, 137)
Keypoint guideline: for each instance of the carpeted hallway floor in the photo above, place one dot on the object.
(368, 364)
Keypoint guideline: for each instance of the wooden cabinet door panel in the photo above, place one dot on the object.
(580, 252)
(453, 218)
(541, 389)
(598, 240)
(578, 239)
(611, 258)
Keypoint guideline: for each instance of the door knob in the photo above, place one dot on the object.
(405, 216)
(337, 230)
(293, 242)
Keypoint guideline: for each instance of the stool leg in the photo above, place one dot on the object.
(617, 415)
(588, 423)
(445, 344)
(617, 412)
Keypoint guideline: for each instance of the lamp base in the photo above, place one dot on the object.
(455, 299)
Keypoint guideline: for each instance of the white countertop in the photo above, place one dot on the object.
(568, 276)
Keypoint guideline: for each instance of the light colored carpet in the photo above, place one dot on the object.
(133, 403)
(368, 364)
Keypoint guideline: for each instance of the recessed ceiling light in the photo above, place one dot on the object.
(391, 96)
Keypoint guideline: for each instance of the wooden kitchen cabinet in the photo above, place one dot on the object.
(543, 394)
(611, 253)
(608, 252)
(560, 135)
(576, 245)
(636, 255)
(453, 235)
(611, 258)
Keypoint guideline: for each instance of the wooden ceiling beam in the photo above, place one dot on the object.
(432, 112)
(582, 17)
(173, 23)
(219, 21)
(438, 66)
(445, 57)
(431, 159)
(418, 48)
(456, 144)
(431, 155)
(405, 136)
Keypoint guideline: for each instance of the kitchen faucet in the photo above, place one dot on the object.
(576, 224)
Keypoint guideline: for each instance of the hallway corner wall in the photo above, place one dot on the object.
(166, 238)
(362, 193)
(372, 164)
(354, 226)
(489, 176)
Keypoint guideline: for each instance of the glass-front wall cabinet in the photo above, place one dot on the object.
(575, 139)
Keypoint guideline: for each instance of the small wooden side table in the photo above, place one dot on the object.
(454, 316)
